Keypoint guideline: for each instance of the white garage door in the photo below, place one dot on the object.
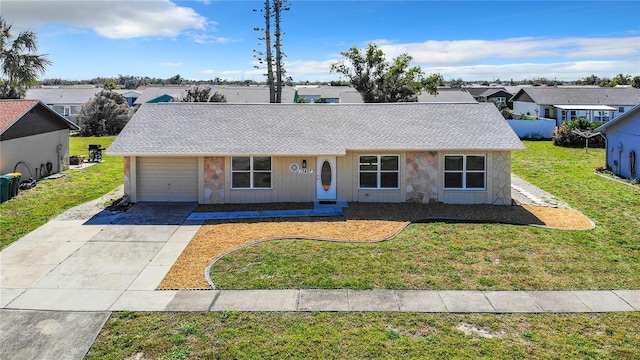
(167, 179)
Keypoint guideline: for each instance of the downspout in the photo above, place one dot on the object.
(60, 156)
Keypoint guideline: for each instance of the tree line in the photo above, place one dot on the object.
(367, 70)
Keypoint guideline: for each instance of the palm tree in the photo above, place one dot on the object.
(18, 61)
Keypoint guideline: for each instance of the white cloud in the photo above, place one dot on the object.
(202, 38)
(519, 58)
(469, 52)
(557, 70)
(114, 20)
(172, 64)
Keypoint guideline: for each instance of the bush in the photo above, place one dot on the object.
(564, 135)
(104, 115)
(507, 114)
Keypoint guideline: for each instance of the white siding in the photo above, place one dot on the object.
(285, 185)
(167, 179)
(524, 107)
(348, 179)
(37, 150)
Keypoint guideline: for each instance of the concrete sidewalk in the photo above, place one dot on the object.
(445, 301)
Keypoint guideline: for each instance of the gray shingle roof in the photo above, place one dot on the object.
(251, 94)
(582, 95)
(319, 129)
(152, 92)
(63, 96)
(447, 95)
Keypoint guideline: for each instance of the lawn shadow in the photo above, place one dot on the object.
(143, 213)
(400, 212)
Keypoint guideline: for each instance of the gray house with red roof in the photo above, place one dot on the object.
(33, 138)
(263, 153)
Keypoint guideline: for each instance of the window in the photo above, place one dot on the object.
(620, 109)
(251, 172)
(379, 172)
(464, 172)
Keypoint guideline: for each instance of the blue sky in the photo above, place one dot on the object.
(204, 39)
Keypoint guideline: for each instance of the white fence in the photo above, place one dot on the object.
(542, 128)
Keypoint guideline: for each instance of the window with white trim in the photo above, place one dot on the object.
(251, 172)
(465, 172)
(379, 171)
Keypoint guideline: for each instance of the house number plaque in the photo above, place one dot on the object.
(295, 169)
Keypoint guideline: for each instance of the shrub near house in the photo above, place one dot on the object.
(566, 135)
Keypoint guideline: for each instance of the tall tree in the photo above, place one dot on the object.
(19, 63)
(106, 114)
(378, 81)
(278, 7)
(272, 14)
(203, 94)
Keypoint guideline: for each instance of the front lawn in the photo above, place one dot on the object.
(34, 207)
(472, 256)
(234, 335)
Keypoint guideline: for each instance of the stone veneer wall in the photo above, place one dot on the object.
(214, 180)
(422, 177)
(501, 173)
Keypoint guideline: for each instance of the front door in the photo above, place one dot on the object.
(326, 178)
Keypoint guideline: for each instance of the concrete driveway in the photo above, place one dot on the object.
(88, 264)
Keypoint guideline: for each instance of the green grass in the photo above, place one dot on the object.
(469, 253)
(472, 256)
(34, 207)
(235, 335)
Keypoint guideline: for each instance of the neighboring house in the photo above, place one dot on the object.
(500, 96)
(66, 101)
(490, 94)
(251, 94)
(33, 138)
(567, 103)
(623, 143)
(348, 95)
(130, 95)
(160, 94)
(233, 94)
(330, 94)
(447, 95)
(262, 153)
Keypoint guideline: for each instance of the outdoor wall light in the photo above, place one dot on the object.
(304, 164)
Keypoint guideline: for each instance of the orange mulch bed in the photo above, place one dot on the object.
(360, 223)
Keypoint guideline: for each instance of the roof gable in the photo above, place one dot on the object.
(328, 129)
(12, 111)
(630, 115)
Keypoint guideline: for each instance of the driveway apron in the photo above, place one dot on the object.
(87, 264)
